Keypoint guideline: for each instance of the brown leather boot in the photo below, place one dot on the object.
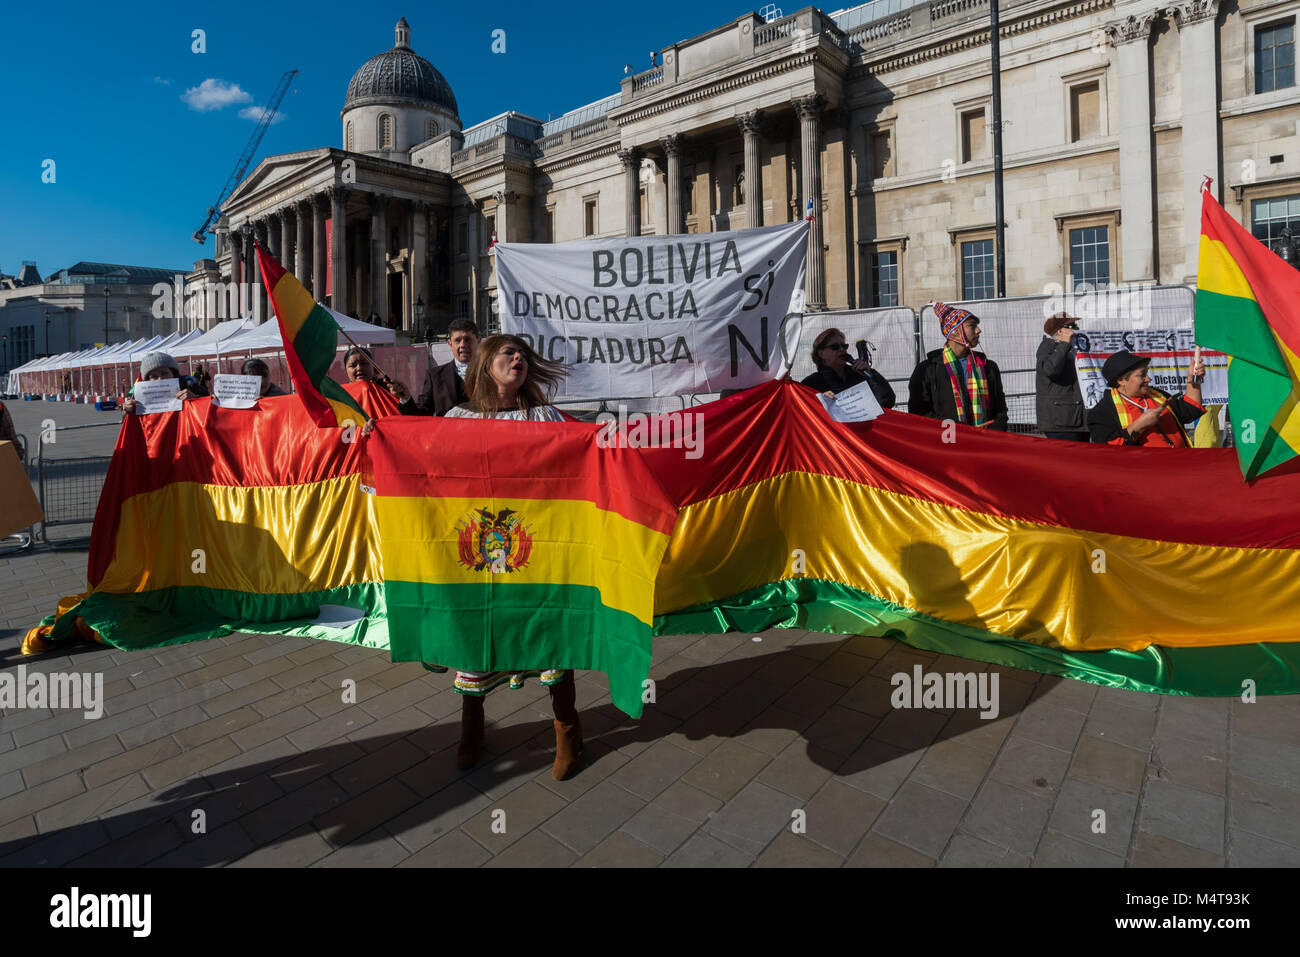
(471, 731)
(568, 730)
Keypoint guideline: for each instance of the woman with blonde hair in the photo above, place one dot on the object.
(508, 380)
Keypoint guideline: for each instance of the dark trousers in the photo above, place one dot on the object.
(1068, 436)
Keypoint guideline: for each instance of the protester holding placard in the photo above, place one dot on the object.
(1060, 404)
(259, 368)
(159, 365)
(956, 382)
(835, 373)
(1134, 412)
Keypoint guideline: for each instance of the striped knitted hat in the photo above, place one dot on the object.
(950, 318)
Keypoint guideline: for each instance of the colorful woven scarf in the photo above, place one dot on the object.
(1129, 410)
(973, 395)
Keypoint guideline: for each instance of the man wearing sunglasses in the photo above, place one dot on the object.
(1060, 404)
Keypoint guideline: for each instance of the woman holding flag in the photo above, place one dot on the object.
(1134, 412)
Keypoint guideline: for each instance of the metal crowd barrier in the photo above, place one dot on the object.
(69, 488)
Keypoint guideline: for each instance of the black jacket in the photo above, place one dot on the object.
(824, 380)
(930, 391)
(1056, 384)
(1103, 423)
(443, 390)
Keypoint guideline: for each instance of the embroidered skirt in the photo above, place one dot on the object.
(479, 683)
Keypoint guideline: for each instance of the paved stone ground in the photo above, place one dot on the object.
(254, 733)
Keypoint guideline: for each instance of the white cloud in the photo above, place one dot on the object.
(214, 95)
(162, 81)
(255, 113)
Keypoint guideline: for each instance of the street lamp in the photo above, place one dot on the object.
(419, 317)
(47, 332)
(106, 292)
(4, 341)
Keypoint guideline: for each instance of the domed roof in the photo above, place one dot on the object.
(400, 75)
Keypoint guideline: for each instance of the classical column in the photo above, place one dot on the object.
(302, 246)
(286, 238)
(1131, 37)
(273, 236)
(674, 146)
(262, 230)
(419, 262)
(1200, 134)
(235, 294)
(809, 109)
(338, 251)
(474, 214)
(631, 160)
(319, 206)
(378, 256)
(751, 126)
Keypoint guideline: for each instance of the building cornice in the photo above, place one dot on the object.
(974, 33)
(600, 152)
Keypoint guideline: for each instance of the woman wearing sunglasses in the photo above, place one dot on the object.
(837, 372)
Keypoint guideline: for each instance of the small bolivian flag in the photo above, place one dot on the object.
(311, 339)
(1248, 305)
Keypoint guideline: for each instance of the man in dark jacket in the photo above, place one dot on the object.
(956, 382)
(444, 385)
(1056, 381)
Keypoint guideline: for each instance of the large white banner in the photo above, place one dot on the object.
(659, 316)
(1170, 351)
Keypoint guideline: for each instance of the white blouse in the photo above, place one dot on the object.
(540, 413)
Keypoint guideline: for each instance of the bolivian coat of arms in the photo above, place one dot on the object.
(495, 543)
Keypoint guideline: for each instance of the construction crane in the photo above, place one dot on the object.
(268, 114)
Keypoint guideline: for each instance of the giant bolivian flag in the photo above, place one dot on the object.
(518, 545)
(1122, 566)
(1248, 305)
(213, 521)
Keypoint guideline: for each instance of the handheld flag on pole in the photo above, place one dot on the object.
(311, 339)
(1248, 305)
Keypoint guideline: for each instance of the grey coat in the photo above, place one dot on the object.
(1060, 406)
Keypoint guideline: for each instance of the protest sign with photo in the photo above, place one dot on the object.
(659, 316)
(1170, 352)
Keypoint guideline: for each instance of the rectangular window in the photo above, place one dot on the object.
(1090, 258)
(882, 155)
(974, 145)
(548, 225)
(462, 306)
(1085, 111)
(489, 228)
(395, 239)
(1275, 56)
(462, 239)
(1268, 217)
(978, 280)
(589, 217)
(884, 278)
(645, 210)
(688, 196)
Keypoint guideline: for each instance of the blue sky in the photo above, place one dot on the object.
(101, 89)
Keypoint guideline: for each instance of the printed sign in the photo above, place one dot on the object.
(236, 391)
(157, 395)
(858, 404)
(1170, 351)
(659, 316)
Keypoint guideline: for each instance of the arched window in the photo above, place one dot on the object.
(347, 137)
(430, 129)
(385, 131)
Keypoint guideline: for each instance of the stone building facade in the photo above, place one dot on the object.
(880, 115)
